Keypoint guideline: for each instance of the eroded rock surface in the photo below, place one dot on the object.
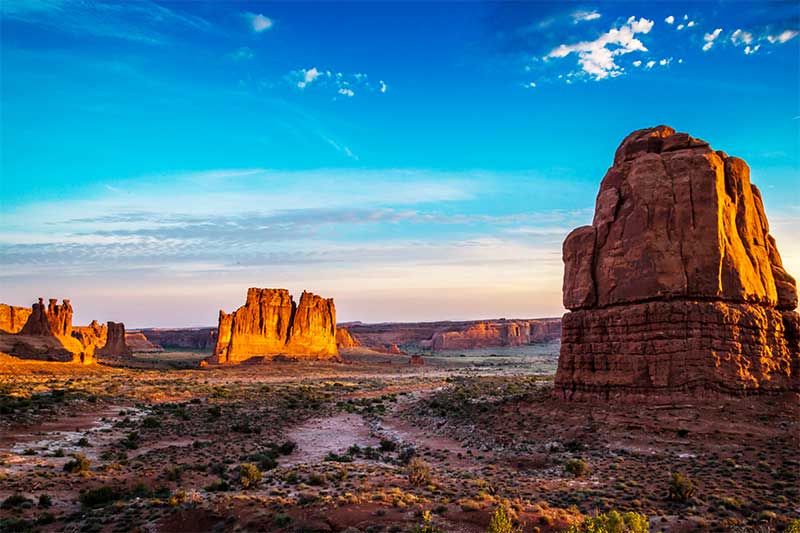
(497, 333)
(677, 284)
(116, 345)
(345, 340)
(270, 323)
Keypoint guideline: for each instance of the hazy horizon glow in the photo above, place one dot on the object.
(157, 159)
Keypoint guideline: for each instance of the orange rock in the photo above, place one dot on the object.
(13, 318)
(115, 345)
(496, 333)
(269, 324)
(345, 340)
(677, 283)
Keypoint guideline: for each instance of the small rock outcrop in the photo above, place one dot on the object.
(677, 284)
(345, 340)
(270, 324)
(13, 318)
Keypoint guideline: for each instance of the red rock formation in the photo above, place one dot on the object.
(48, 335)
(92, 336)
(497, 333)
(345, 340)
(13, 318)
(270, 324)
(416, 360)
(115, 345)
(677, 283)
(193, 338)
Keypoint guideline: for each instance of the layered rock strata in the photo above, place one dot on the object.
(270, 324)
(677, 284)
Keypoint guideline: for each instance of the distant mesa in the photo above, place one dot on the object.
(677, 284)
(139, 343)
(48, 334)
(448, 335)
(270, 324)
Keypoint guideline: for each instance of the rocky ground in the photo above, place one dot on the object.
(375, 445)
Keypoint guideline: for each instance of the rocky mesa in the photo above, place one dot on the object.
(270, 324)
(677, 284)
(48, 334)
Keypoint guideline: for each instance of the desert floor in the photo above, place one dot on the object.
(374, 445)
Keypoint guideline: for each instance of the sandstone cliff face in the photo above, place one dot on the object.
(13, 318)
(48, 335)
(677, 283)
(269, 323)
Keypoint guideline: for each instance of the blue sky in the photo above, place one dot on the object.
(415, 161)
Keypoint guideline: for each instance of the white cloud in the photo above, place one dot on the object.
(596, 58)
(690, 24)
(650, 64)
(583, 16)
(680, 27)
(637, 63)
(751, 50)
(308, 76)
(783, 37)
(530, 85)
(664, 62)
(740, 37)
(670, 19)
(258, 22)
(709, 38)
(347, 92)
(686, 17)
(384, 87)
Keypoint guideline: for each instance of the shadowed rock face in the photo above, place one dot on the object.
(115, 345)
(269, 323)
(677, 283)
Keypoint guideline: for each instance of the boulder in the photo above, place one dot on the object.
(271, 324)
(677, 284)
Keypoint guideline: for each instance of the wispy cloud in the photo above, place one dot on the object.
(709, 39)
(585, 15)
(142, 21)
(258, 22)
(338, 83)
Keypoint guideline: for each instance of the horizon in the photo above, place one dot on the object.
(159, 158)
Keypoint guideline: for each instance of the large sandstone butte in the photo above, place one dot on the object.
(48, 334)
(270, 324)
(677, 284)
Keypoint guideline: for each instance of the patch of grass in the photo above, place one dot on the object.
(612, 522)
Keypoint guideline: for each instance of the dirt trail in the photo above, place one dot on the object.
(318, 437)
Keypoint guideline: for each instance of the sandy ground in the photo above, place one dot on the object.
(336, 446)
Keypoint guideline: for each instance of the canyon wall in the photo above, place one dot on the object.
(449, 335)
(270, 323)
(201, 339)
(138, 342)
(677, 284)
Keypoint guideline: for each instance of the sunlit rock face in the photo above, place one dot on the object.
(677, 284)
(13, 318)
(270, 323)
(345, 340)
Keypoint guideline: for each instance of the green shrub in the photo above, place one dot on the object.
(15, 500)
(78, 464)
(249, 475)
(502, 521)
(419, 472)
(681, 488)
(151, 422)
(99, 496)
(282, 520)
(577, 467)
(612, 522)
(427, 525)
(287, 447)
(45, 500)
(793, 526)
